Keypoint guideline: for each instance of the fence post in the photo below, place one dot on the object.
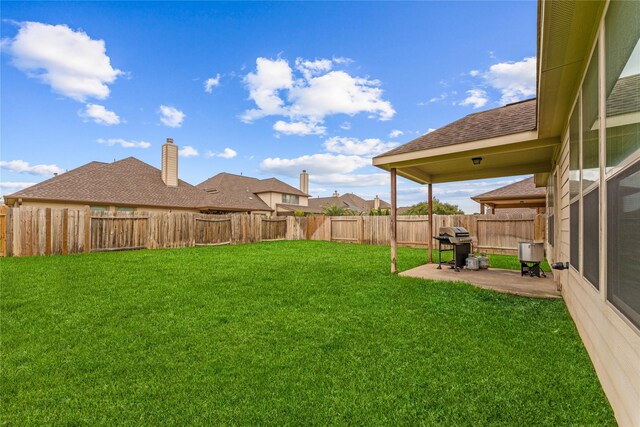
(3, 230)
(87, 229)
(47, 234)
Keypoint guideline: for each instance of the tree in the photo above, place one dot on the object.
(379, 212)
(334, 210)
(439, 208)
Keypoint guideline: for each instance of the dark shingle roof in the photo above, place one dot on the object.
(229, 190)
(512, 118)
(348, 200)
(521, 189)
(125, 182)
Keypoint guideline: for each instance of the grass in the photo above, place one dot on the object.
(305, 333)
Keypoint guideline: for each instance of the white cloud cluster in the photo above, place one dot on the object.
(20, 166)
(188, 151)
(171, 116)
(227, 153)
(71, 62)
(395, 133)
(514, 80)
(320, 164)
(317, 91)
(212, 82)
(299, 128)
(9, 187)
(100, 115)
(124, 143)
(477, 98)
(353, 146)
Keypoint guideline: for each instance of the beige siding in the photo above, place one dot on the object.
(612, 343)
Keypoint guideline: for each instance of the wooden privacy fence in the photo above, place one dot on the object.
(28, 231)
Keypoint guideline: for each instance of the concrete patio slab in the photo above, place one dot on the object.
(506, 281)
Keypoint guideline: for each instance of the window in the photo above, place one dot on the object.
(574, 152)
(550, 210)
(590, 125)
(574, 234)
(291, 199)
(622, 91)
(622, 80)
(591, 237)
(99, 208)
(623, 237)
(591, 173)
(125, 209)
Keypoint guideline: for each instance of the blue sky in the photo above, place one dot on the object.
(263, 89)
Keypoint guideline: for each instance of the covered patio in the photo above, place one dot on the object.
(495, 143)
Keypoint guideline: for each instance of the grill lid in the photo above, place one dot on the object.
(454, 232)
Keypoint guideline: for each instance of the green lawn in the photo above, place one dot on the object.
(305, 333)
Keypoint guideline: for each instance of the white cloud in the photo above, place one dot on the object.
(354, 146)
(11, 187)
(16, 185)
(188, 151)
(20, 166)
(477, 98)
(474, 73)
(99, 114)
(124, 143)
(212, 82)
(395, 133)
(171, 117)
(299, 128)
(270, 77)
(429, 130)
(227, 153)
(442, 97)
(515, 80)
(69, 61)
(345, 126)
(317, 92)
(312, 68)
(319, 164)
(352, 180)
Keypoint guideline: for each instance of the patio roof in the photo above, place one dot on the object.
(521, 194)
(518, 138)
(505, 138)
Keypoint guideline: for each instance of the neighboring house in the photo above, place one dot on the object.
(519, 197)
(264, 196)
(581, 139)
(130, 184)
(349, 201)
(124, 185)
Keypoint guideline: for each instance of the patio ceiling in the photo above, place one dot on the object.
(508, 155)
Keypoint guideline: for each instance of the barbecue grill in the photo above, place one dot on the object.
(457, 240)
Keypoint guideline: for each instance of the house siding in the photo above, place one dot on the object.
(612, 342)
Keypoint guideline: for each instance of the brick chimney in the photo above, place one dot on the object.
(304, 182)
(376, 202)
(170, 163)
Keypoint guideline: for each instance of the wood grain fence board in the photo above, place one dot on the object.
(3, 231)
(50, 231)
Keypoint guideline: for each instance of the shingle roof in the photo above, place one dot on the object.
(348, 200)
(125, 182)
(512, 118)
(625, 96)
(229, 190)
(518, 190)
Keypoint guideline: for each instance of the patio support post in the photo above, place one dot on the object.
(430, 210)
(394, 230)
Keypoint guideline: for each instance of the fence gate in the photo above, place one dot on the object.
(346, 229)
(111, 233)
(274, 229)
(210, 232)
